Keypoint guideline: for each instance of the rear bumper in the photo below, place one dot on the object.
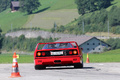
(53, 61)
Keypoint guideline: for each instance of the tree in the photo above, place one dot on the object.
(114, 16)
(29, 5)
(85, 6)
(103, 3)
(4, 4)
(53, 30)
(21, 38)
(61, 29)
(81, 6)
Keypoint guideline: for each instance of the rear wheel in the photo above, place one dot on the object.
(38, 67)
(78, 65)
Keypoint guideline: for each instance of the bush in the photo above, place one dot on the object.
(115, 43)
(114, 16)
(22, 44)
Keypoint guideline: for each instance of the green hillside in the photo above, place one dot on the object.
(18, 19)
(96, 21)
(58, 4)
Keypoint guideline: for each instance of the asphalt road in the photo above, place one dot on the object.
(91, 71)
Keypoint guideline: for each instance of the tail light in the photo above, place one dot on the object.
(73, 52)
(38, 54)
(43, 53)
(70, 52)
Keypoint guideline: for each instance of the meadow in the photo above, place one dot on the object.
(109, 56)
(60, 12)
(8, 58)
(10, 20)
(14, 20)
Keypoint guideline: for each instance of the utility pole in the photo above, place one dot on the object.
(11, 27)
(108, 28)
(12, 38)
(83, 26)
(31, 26)
(30, 30)
(0, 35)
(100, 39)
(55, 27)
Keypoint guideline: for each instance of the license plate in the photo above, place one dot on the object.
(57, 53)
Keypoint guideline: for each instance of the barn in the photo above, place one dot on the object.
(88, 43)
(15, 5)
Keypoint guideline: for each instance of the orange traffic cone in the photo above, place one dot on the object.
(87, 61)
(15, 71)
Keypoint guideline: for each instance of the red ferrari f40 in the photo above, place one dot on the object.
(58, 54)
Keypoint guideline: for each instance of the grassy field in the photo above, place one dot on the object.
(109, 56)
(60, 11)
(57, 4)
(104, 57)
(7, 58)
(7, 18)
(18, 19)
(46, 19)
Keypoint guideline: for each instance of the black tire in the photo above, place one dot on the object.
(78, 65)
(38, 67)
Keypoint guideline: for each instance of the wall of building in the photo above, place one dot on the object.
(93, 45)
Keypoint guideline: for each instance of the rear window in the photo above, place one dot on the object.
(56, 45)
